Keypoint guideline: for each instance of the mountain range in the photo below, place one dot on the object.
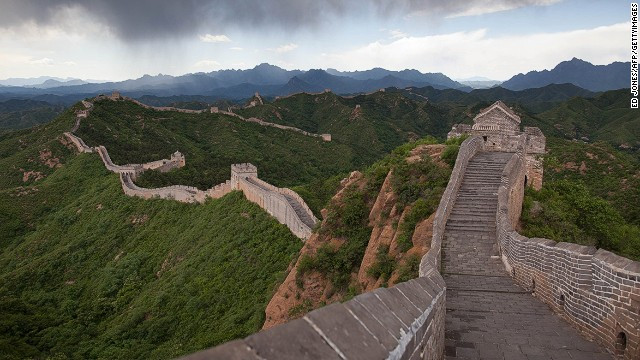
(578, 72)
(273, 81)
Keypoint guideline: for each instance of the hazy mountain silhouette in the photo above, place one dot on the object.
(578, 72)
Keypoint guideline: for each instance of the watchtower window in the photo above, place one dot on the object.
(484, 138)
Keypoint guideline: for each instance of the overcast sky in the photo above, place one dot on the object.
(120, 39)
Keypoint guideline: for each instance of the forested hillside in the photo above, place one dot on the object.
(87, 272)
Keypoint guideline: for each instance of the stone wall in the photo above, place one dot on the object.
(402, 322)
(131, 169)
(597, 291)
(180, 193)
(272, 200)
(177, 160)
(79, 144)
(276, 201)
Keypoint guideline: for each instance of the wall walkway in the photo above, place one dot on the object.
(488, 315)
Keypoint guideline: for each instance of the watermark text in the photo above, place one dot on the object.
(634, 55)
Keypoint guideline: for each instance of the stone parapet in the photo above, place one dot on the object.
(79, 144)
(131, 169)
(402, 322)
(274, 201)
(180, 193)
(598, 292)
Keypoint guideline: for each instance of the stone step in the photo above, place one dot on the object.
(489, 234)
(472, 217)
(491, 191)
(481, 196)
(481, 181)
(471, 224)
(474, 210)
(473, 207)
(461, 204)
(488, 167)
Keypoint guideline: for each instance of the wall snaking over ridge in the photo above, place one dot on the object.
(283, 204)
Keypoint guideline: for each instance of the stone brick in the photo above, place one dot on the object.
(344, 330)
(292, 341)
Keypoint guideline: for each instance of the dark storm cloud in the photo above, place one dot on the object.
(145, 19)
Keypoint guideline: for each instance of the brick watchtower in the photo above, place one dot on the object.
(244, 170)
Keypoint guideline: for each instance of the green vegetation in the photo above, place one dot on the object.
(22, 114)
(450, 153)
(566, 211)
(383, 121)
(606, 117)
(590, 196)
(607, 173)
(318, 192)
(347, 220)
(384, 264)
(418, 184)
(410, 269)
(25, 152)
(87, 272)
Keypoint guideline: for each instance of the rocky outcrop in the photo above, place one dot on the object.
(299, 294)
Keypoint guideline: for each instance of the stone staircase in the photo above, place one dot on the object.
(471, 229)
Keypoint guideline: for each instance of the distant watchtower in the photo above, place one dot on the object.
(242, 171)
(178, 158)
(499, 127)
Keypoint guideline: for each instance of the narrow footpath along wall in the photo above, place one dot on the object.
(402, 322)
(597, 291)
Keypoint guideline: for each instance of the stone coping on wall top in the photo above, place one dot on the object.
(382, 324)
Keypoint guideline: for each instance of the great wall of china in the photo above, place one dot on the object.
(283, 204)
(483, 291)
(216, 110)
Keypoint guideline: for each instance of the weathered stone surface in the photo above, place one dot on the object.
(342, 329)
(371, 322)
(292, 341)
(234, 350)
(591, 289)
